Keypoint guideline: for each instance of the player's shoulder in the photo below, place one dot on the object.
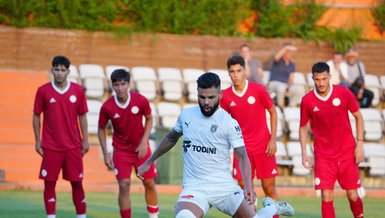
(76, 86)
(45, 86)
(190, 111)
(257, 86)
(138, 96)
(228, 90)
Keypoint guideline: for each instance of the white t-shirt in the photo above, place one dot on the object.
(206, 145)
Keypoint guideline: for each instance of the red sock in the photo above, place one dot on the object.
(125, 213)
(276, 216)
(50, 197)
(357, 208)
(78, 197)
(152, 209)
(328, 210)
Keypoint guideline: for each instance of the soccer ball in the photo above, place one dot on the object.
(361, 192)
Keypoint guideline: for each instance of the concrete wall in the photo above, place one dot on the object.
(33, 49)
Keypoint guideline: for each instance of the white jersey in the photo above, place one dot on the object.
(206, 145)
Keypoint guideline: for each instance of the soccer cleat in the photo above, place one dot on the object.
(283, 208)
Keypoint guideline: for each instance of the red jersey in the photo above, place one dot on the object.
(127, 120)
(61, 109)
(249, 109)
(329, 121)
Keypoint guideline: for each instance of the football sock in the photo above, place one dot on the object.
(125, 213)
(357, 208)
(153, 211)
(50, 197)
(78, 197)
(276, 216)
(268, 211)
(328, 209)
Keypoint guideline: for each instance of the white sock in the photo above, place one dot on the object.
(267, 212)
(51, 216)
(153, 215)
(80, 216)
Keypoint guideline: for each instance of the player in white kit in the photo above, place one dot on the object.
(209, 133)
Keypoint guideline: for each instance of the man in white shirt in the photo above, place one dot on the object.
(338, 69)
(209, 133)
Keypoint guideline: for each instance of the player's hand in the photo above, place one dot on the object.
(142, 150)
(143, 168)
(108, 161)
(306, 162)
(85, 147)
(359, 152)
(271, 148)
(38, 149)
(250, 195)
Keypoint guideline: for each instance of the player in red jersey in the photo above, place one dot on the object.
(337, 154)
(63, 104)
(247, 103)
(126, 110)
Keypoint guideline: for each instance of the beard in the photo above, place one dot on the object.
(211, 111)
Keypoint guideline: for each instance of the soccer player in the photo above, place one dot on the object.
(208, 135)
(261, 146)
(130, 138)
(337, 154)
(63, 104)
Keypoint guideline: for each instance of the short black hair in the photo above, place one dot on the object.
(235, 59)
(61, 60)
(120, 74)
(209, 80)
(320, 67)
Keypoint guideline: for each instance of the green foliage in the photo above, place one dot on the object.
(379, 14)
(340, 39)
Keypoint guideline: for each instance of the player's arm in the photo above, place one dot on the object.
(167, 142)
(303, 138)
(272, 144)
(102, 136)
(244, 166)
(142, 148)
(359, 151)
(84, 130)
(36, 124)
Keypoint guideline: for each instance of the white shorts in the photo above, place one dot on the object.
(226, 201)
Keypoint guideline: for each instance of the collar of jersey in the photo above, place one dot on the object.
(61, 91)
(327, 96)
(123, 106)
(243, 91)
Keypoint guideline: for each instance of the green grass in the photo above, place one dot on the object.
(24, 204)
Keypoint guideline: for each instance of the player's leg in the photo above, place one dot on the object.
(327, 197)
(150, 192)
(270, 190)
(188, 210)
(325, 178)
(350, 181)
(191, 203)
(124, 198)
(73, 172)
(49, 171)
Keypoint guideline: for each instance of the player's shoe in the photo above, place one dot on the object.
(283, 208)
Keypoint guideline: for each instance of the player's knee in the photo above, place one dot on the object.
(124, 185)
(185, 214)
(149, 184)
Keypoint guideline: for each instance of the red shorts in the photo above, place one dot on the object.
(261, 165)
(124, 161)
(345, 172)
(71, 161)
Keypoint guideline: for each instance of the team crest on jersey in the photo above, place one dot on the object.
(251, 100)
(336, 102)
(135, 110)
(73, 99)
(186, 145)
(214, 128)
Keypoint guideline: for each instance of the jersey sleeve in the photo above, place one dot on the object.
(38, 106)
(82, 108)
(304, 113)
(265, 98)
(178, 125)
(103, 117)
(351, 101)
(146, 107)
(235, 137)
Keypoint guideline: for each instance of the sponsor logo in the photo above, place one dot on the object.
(187, 196)
(237, 193)
(52, 100)
(315, 109)
(73, 99)
(116, 116)
(135, 110)
(251, 100)
(196, 148)
(187, 123)
(186, 145)
(336, 102)
(232, 104)
(214, 128)
(52, 200)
